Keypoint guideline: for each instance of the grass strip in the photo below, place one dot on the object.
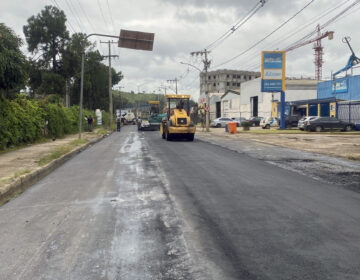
(60, 151)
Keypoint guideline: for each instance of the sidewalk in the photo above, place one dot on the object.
(18, 164)
(339, 144)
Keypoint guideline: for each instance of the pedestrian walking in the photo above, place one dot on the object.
(118, 123)
(90, 123)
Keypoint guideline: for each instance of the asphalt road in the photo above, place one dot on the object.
(135, 206)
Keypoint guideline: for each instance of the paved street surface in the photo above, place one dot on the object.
(137, 207)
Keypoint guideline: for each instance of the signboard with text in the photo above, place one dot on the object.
(136, 40)
(340, 86)
(272, 71)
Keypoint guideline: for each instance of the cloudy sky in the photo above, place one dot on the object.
(184, 26)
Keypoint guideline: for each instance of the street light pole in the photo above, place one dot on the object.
(82, 74)
(206, 66)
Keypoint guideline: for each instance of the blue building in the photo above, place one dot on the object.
(347, 88)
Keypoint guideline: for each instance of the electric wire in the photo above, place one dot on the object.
(267, 36)
(111, 17)
(102, 14)
(327, 23)
(296, 31)
(236, 26)
(76, 18)
(86, 16)
(77, 14)
(67, 20)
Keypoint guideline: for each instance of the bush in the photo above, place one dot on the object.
(20, 121)
(24, 121)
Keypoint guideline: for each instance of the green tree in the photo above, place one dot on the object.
(46, 34)
(13, 63)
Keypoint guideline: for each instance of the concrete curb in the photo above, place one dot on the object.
(23, 182)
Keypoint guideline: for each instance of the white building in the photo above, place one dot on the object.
(222, 80)
(249, 101)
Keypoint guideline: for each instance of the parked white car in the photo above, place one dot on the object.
(268, 122)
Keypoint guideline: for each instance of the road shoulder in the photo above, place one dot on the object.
(323, 167)
(23, 167)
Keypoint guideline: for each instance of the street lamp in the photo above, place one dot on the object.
(207, 121)
(82, 75)
(197, 68)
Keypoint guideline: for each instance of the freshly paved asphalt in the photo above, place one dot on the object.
(135, 206)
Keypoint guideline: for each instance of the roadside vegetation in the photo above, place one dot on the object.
(33, 89)
(60, 151)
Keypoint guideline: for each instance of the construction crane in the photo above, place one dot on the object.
(353, 59)
(319, 50)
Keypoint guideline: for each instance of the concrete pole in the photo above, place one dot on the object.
(81, 92)
(207, 116)
(110, 89)
(282, 115)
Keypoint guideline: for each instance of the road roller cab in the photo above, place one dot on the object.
(177, 123)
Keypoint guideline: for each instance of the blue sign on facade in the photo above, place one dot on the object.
(349, 90)
(340, 86)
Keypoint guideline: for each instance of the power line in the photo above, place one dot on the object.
(86, 16)
(328, 22)
(68, 20)
(76, 18)
(297, 30)
(102, 14)
(111, 18)
(236, 26)
(267, 36)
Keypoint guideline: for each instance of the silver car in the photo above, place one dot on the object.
(302, 121)
(221, 122)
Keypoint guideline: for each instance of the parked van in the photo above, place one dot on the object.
(268, 122)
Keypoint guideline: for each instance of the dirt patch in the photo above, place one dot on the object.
(338, 144)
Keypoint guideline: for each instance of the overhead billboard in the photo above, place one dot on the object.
(272, 71)
(136, 40)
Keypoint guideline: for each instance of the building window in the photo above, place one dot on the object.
(228, 76)
(228, 84)
(209, 77)
(234, 76)
(238, 76)
(234, 84)
(238, 84)
(214, 84)
(214, 77)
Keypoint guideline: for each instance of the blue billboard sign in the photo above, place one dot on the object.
(272, 71)
(340, 86)
(273, 60)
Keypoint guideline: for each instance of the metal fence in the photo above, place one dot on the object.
(349, 111)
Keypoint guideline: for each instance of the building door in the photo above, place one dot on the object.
(313, 110)
(218, 109)
(325, 109)
(254, 106)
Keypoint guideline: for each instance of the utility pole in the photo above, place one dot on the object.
(110, 82)
(174, 81)
(206, 67)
